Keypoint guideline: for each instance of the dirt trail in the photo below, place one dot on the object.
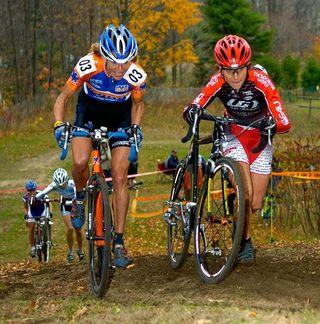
(281, 287)
(39, 167)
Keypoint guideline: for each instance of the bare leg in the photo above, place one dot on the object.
(248, 197)
(260, 184)
(120, 197)
(81, 150)
(31, 227)
(256, 187)
(79, 238)
(69, 233)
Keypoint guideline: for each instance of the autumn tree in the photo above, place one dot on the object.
(296, 24)
(160, 29)
(290, 72)
(223, 17)
(273, 67)
(310, 78)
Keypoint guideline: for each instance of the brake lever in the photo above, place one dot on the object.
(191, 130)
(68, 135)
(269, 137)
(135, 136)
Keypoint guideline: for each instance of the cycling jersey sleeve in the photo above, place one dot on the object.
(136, 77)
(85, 68)
(41, 194)
(275, 106)
(209, 91)
(138, 92)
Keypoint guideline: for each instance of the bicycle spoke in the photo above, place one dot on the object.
(178, 218)
(220, 219)
(99, 235)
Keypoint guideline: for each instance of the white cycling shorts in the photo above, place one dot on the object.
(232, 148)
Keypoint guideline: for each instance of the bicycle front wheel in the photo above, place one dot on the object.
(99, 235)
(178, 217)
(219, 222)
(38, 242)
(46, 238)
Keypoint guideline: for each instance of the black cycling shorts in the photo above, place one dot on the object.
(91, 114)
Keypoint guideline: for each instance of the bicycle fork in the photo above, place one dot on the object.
(179, 211)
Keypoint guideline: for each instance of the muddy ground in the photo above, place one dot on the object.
(283, 286)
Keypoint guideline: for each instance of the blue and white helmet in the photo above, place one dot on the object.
(118, 44)
(31, 185)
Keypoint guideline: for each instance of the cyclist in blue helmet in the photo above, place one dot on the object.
(65, 187)
(31, 185)
(118, 45)
(33, 209)
(111, 89)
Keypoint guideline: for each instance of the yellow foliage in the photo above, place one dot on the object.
(181, 52)
(317, 47)
(159, 27)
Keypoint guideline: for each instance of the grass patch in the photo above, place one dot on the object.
(163, 129)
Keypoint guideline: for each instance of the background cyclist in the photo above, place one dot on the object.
(111, 94)
(172, 160)
(246, 93)
(65, 187)
(33, 210)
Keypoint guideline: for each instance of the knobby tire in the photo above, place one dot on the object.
(179, 232)
(38, 242)
(46, 240)
(99, 235)
(220, 217)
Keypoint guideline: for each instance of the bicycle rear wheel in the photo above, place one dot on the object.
(99, 235)
(178, 217)
(219, 222)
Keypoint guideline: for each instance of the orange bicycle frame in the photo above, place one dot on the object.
(96, 168)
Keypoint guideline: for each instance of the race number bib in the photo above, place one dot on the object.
(86, 65)
(135, 75)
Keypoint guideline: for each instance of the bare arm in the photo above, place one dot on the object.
(25, 207)
(59, 108)
(137, 111)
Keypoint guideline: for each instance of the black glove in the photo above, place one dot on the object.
(268, 124)
(267, 130)
(189, 112)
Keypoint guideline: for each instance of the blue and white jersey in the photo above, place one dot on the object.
(36, 208)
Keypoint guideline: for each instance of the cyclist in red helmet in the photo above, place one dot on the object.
(247, 93)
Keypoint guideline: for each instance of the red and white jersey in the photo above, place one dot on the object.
(256, 98)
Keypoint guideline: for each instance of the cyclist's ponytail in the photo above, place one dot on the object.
(95, 47)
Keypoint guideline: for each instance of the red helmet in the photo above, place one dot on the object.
(232, 52)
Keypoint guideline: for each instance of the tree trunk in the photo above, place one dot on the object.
(14, 50)
(34, 46)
